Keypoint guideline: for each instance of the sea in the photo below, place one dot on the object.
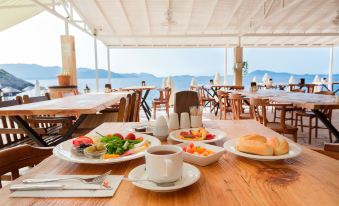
(180, 82)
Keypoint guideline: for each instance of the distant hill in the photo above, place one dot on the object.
(34, 71)
(8, 80)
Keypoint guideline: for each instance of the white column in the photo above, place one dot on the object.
(66, 28)
(108, 66)
(96, 63)
(225, 74)
(330, 69)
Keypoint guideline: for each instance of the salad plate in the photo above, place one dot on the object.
(205, 135)
(115, 148)
(294, 150)
(190, 175)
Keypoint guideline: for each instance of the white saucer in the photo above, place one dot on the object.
(190, 175)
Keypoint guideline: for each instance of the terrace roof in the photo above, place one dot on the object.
(211, 23)
(13, 12)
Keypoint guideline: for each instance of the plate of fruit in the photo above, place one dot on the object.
(197, 135)
(105, 149)
(200, 153)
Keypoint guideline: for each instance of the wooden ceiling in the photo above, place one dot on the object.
(211, 23)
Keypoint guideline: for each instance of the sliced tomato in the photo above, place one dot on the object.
(82, 140)
(210, 136)
(118, 135)
(130, 136)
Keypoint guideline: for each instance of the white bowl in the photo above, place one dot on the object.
(202, 160)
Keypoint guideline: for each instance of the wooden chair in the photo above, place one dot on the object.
(15, 158)
(258, 111)
(204, 98)
(184, 100)
(330, 150)
(236, 102)
(291, 109)
(311, 116)
(224, 104)
(52, 124)
(10, 134)
(164, 98)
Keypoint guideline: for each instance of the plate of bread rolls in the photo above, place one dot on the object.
(258, 147)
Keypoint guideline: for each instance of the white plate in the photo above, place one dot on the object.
(219, 135)
(295, 150)
(64, 151)
(202, 160)
(190, 175)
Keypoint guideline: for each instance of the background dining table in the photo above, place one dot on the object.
(309, 179)
(314, 102)
(78, 105)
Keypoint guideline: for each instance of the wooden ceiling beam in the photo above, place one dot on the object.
(127, 19)
(97, 4)
(215, 3)
(276, 13)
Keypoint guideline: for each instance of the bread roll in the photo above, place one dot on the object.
(280, 145)
(254, 137)
(254, 147)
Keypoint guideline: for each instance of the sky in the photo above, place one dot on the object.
(37, 41)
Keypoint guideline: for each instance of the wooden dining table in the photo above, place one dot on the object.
(78, 105)
(314, 102)
(308, 179)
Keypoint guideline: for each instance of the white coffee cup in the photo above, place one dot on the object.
(185, 120)
(164, 163)
(173, 122)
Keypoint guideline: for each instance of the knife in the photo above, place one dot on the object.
(32, 187)
(26, 187)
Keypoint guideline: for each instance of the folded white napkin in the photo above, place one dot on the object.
(72, 188)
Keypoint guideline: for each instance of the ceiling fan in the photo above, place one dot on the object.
(169, 16)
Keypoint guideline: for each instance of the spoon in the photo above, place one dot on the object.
(162, 184)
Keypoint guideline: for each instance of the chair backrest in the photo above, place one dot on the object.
(236, 104)
(325, 93)
(168, 92)
(27, 99)
(12, 159)
(128, 107)
(258, 110)
(9, 132)
(138, 105)
(202, 93)
(133, 107)
(122, 110)
(184, 100)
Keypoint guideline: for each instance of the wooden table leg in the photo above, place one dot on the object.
(29, 131)
(327, 123)
(77, 123)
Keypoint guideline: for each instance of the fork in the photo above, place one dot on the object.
(90, 180)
